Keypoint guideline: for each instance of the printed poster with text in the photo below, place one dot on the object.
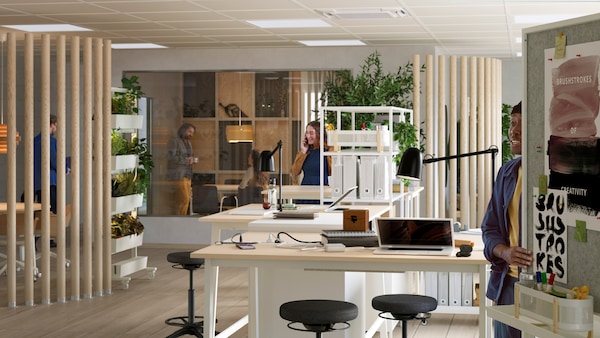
(571, 146)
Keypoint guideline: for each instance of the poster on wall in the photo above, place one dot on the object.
(550, 233)
(571, 104)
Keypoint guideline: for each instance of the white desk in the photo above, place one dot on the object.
(267, 258)
(324, 220)
(239, 219)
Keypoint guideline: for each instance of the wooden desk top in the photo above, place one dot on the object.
(20, 207)
(269, 252)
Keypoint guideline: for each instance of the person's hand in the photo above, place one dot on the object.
(304, 145)
(516, 255)
(190, 160)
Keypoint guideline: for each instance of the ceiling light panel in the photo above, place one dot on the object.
(324, 43)
(363, 13)
(301, 23)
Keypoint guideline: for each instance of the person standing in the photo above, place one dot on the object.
(253, 176)
(37, 165)
(179, 168)
(308, 159)
(501, 230)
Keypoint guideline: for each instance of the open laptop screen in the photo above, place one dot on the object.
(414, 233)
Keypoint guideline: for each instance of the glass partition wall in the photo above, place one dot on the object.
(277, 104)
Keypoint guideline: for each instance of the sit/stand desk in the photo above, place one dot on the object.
(267, 258)
(239, 219)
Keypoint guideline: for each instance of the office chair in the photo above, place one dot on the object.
(54, 226)
(318, 315)
(205, 199)
(20, 230)
(228, 197)
(404, 307)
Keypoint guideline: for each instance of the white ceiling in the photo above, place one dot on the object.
(456, 27)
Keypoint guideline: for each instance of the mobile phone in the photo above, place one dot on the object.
(245, 246)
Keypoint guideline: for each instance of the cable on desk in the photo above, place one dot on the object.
(278, 239)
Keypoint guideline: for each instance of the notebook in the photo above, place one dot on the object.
(415, 236)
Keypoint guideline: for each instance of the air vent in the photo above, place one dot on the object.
(363, 13)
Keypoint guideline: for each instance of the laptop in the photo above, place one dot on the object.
(414, 236)
(311, 211)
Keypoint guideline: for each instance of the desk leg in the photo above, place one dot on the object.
(253, 305)
(215, 234)
(211, 278)
(485, 322)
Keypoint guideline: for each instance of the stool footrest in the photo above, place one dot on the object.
(183, 321)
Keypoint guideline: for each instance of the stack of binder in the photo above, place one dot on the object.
(350, 238)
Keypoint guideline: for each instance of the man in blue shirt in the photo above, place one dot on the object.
(37, 165)
(501, 230)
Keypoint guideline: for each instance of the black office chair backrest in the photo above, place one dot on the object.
(250, 194)
(205, 199)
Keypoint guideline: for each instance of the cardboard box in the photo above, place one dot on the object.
(356, 220)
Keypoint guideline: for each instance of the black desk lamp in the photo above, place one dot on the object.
(412, 161)
(267, 163)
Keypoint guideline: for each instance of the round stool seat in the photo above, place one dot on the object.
(319, 314)
(403, 306)
(183, 258)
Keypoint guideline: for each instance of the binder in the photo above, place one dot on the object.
(454, 288)
(365, 172)
(382, 178)
(431, 284)
(349, 168)
(337, 176)
(467, 289)
(443, 288)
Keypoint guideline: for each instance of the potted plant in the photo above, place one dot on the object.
(373, 87)
(126, 232)
(125, 104)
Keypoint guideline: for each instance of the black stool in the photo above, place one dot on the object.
(404, 307)
(318, 315)
(188, 324)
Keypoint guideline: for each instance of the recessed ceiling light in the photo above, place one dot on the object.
(47, 28)
(136, 46)
(541, 19)
(363, 13)
(303, 23)
(322, 43)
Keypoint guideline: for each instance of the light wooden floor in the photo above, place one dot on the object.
(140, 311)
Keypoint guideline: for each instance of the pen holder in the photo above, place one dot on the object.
(558, 313)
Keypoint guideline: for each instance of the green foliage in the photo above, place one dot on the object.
(507, 155)
(124, 225)
(126, 102)
(371, 87)
(137, 181)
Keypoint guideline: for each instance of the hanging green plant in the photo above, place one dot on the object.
(126, 102)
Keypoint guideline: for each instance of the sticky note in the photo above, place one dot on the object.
(560, 46)
(543, 184)
(580, 231)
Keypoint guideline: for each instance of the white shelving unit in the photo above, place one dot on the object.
(122, 269)
(363, 145)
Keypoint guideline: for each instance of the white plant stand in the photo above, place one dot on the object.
(122, 269)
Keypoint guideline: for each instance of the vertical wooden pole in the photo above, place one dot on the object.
(98, 188)
(429, 124)
(28, 80)
(75, 169)
(61, 154)
(452, 139)
(441, 135)
(106, 158)
(45, 131)
(474, 90)
(464, 140)
(11, 186)
(87, 169)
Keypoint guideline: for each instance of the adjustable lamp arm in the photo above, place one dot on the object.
(491, 150)
(278, 147)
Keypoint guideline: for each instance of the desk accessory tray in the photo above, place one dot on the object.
(558, 313)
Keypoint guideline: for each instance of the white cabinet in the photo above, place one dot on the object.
(363, 157)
